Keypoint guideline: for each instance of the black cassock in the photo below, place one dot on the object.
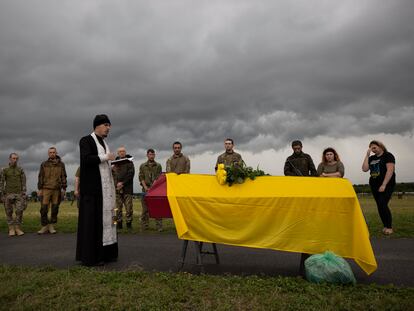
(89, 248)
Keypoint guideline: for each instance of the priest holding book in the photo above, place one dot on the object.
(97, 236)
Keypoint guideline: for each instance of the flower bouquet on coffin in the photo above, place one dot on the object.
(236, 173)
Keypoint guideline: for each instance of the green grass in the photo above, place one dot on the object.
(68, 219)
(88, 289)
(402, 211)
(79, 288)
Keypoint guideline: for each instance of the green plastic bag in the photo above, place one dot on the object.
(330, 268)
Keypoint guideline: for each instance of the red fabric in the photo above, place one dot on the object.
(156, 199)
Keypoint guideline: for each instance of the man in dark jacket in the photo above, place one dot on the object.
(124, 172)
(299, 163)
(52, 187)
(96, 239)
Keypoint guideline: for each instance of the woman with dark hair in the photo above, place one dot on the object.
(331, 165)
(382, 181)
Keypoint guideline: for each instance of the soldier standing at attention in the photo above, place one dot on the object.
(124, 177)
(52, 187)
(148, 173)
(299, 163)
(229, 157)
(178, 163)
(13, 191)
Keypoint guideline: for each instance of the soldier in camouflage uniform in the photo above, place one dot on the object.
(299, 163)
(229, 157)
(52, 187)
(148, 173)
(178, 163)
(124, 178)
(13, 191)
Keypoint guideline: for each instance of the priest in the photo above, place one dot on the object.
(97, 237)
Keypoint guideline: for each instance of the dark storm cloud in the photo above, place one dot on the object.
(263, 73)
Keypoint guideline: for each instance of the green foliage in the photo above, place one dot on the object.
(237, 174)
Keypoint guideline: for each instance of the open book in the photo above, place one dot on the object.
(120, 161)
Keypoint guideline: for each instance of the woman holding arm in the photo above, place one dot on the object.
(382, 181)
(331, 165)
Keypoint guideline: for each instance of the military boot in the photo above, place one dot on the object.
(19, 231)
(12, 232)
(52, 229)
(43, 230)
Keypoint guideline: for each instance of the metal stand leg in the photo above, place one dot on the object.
(199, 250)
(199, 253)
(183, 253)
(216, 253)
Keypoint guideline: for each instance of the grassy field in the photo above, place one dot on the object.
(402, 211)
(68, 219)
(78, 288)
(88, 289)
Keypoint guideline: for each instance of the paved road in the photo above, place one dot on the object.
(161, 252)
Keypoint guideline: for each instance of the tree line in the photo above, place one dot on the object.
(399, 187)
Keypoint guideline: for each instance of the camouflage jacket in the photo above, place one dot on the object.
(228, 159)
(52, 175)
(178, 164)
(149, 172)
(300, 165)
(12, 180)
(124, 172)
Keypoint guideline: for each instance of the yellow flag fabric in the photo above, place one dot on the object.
(295, 214)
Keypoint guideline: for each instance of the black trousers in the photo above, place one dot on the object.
(382, 199)
(89, 248)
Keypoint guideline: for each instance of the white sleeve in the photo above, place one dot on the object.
(103, 157)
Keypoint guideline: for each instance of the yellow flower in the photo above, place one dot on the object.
(221, 174)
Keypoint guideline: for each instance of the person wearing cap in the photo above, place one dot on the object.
(96, 238)
(299, 163)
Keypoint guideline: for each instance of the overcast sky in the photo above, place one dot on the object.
(331, 73)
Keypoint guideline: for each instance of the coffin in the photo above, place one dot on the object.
(295, 214)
